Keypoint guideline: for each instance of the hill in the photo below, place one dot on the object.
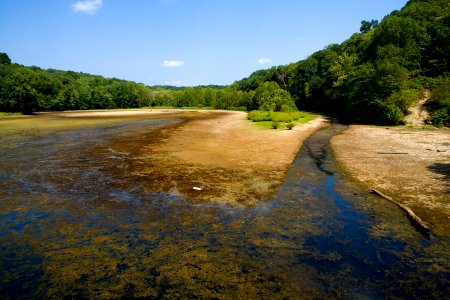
(377, 74)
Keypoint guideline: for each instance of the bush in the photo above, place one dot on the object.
(440, 118)
(384, 113)
(439, 103)
(275, 124)
(283, 117)
(259, 116)
(391, 115)
(298, 115)
(403, 99)
(290, 125)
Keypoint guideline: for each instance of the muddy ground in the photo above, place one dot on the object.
(409, 164)
(216, 156)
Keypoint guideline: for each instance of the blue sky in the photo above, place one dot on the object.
(177, 42)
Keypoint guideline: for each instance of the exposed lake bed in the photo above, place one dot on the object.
(105, 207)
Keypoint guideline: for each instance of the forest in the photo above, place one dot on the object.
(31, 89)
(372, 77)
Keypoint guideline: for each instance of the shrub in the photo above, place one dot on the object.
(297, 115)
(275, 124)
(385, 113)
(391, 115)
(440, 118)
(439, 103)
(403, 99)
(259, 116)
(290, 125)
(283, 117)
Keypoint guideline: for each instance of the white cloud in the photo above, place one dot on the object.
(87, 6)
(172, 63)
(264, 61)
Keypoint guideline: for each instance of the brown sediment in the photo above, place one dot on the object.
(417, 177)
(222, 154)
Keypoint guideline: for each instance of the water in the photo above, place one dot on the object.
(73, 223)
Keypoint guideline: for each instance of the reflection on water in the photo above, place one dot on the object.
(73, 223)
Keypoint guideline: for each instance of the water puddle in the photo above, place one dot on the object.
(69, 227)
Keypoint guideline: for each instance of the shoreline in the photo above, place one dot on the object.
(410, 165)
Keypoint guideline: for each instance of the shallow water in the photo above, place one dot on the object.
(73, 223)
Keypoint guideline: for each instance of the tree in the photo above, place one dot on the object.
(270, 97)
(368, 25)
(4, 59)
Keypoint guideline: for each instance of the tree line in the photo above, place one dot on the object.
(32, 89)
(373, 77)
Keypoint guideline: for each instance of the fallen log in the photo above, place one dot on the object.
(420, 225)
(392, 152)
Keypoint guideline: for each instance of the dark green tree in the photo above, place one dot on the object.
(4, 59)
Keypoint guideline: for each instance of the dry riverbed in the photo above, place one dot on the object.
(411, 165)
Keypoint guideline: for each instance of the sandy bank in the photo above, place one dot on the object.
(411, 165)
(229, 158)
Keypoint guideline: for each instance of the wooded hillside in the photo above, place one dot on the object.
(376, 74)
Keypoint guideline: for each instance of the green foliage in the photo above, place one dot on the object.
(267, 119)
(403, 99)
(275, 124)
(4, 59)
(390, 114)
(270, 97)
(237, 108)
(374, 76)
(368, 25)
(290, 125)
(259, 116)
(440, 118)
(31, 89)
(440, 95)
(439, 103)
(288, 116)
(9, 114)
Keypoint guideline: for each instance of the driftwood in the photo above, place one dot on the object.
(420, 225)
(392, 152)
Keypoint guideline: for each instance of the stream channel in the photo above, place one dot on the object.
(69, 229)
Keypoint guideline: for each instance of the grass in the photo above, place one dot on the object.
(266, 119)
(9, 114)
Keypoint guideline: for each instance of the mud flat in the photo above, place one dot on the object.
(216, 156)
(410, 165)
(204, 155)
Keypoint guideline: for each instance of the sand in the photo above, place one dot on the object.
(411, 165)
(217, 156)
